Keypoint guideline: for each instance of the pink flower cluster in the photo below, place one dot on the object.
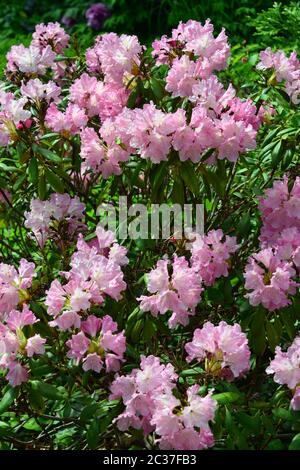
(30, 60)
(270, 280)
(69, 122)
(270, 274)
(103, 153)
(60, 214)
(97, 98)
(14, 345)
(191, 39)
(211, 255)
(12, 115)
(51, 34)
(280, 209)
(147, 394)
(224, 348)
(14, 284)
(178, 291)
(285, 69)
(286, 369)
(37, 91)
(47, 41)
(98, 340)
(95, 273)
(124, 60)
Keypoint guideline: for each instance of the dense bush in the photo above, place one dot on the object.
(114, 342)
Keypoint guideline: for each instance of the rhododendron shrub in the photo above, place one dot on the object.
(169, 342)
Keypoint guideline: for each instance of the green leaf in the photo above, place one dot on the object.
(33, 170)
(92, 434)
(187, 172)
(158, 87)
(227, 397)
(191, 372)
(32, 425)
(285, 415)
(149, 329)
(272, 335)
(42, 187)
(88, 412)
(288, 322)
(8, 399)
(258, 335)
(275, 444)
(136, 330)
(132, 98)
(277, 153)
(47, 390)
(48, 154)
(35, 399)
(177, 194)
(157, 177)
(295, 444)
(54, 181)
(244, 225)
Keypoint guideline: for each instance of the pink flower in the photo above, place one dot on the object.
(179, 293)
(44, 217)
(181, 77)
(114, 66)
(15, 346)
(105, 343)
(30, 60)
(13, 285)
(286, 365)
(295, 402)
(270, 280)
(12, 116)
(211, 53)
(72, 121)
(80, 300)
(138, 391)
(37, 91)
(211, 254)
(51, 34)
(286, 369)
(285, 68)
(224, 346)
(17, 374)
(97, 156)
(35, 345)
(78, 345)
(18, 319)
(279, 210)
(91, 326)
(150, 405)
(97, 98)
(92, 362)
(94, 274)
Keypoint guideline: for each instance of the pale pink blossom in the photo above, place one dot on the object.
(114, 66)
(286, 369)
(35, 345)
(44, 217)
(30, 60)
(38, 91)
(211, 255)
(71, 121)
(269, 279)
(104, 343)
(51, 34)
(178, 293)
(224, 347)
